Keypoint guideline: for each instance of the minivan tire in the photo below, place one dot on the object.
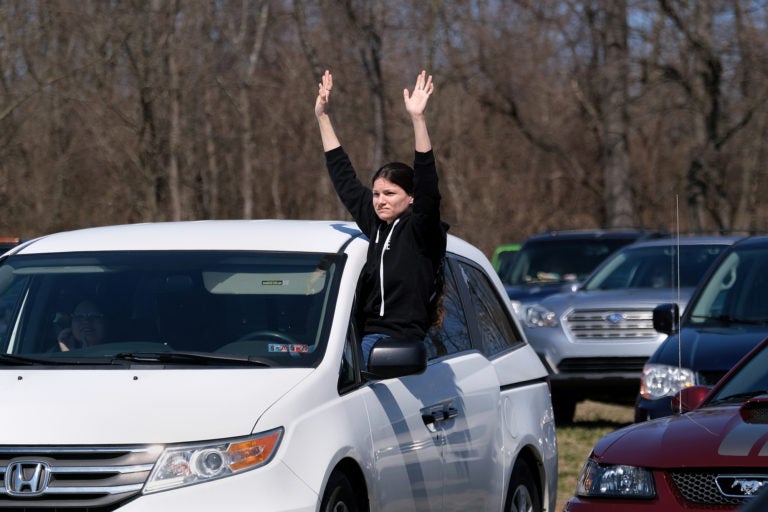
(339, 495)
(523, 493)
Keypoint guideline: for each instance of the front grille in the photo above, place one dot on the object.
(93, 479)
(699, 486)
(602, 364)
(604, 324)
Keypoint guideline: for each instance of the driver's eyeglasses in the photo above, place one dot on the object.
(87, 316)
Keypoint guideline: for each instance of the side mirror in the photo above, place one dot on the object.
(688, 399)
(665, 318)
(391, 358)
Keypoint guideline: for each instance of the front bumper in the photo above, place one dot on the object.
(691, 490)
(272, 487)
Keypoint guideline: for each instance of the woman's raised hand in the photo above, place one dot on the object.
(416, 102)
(323, 94)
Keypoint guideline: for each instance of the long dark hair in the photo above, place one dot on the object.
(398, 173)
(436, 307)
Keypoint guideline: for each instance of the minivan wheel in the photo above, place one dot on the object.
(523, 493)
(339, 495)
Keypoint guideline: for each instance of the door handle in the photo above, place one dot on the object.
(450, 412)
(439, 414)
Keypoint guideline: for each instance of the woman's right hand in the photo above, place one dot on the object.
(323, 94)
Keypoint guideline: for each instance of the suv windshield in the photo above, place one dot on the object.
(558, 261)
(206, 307)
(737, 292)
(654, 267)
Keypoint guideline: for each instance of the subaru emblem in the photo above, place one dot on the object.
(27, 478)
(615, 318)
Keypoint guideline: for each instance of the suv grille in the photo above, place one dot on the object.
(602, 364)
(96, 479)
(603, 324)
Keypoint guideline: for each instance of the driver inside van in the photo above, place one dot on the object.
(87, 328)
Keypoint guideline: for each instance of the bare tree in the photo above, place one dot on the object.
(550, 114)
(619, 202)
(701, 78)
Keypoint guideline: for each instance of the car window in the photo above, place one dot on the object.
(452, 335)
(276, 306)
(558, 261)
(654, 267)
(496, 330)
(348, 377)
(750, 379)
(737, 291)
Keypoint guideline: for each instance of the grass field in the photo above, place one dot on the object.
(592, 421)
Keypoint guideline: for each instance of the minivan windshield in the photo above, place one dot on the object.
(736, 292)
(167, 307)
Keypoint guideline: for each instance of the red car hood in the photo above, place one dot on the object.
(707, 437)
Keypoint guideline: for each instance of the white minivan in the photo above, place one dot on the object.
(219, 369)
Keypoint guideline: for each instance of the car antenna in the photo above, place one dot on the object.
(679, 313)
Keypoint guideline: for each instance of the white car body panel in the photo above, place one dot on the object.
(179, 406)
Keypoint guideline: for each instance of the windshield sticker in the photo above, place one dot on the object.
(289, 348)
(274, 282)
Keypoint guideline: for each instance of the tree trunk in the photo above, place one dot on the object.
(619, 202)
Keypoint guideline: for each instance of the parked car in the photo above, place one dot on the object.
(595, 340)
(8, 242)
(709, 457)
(725, 319)
(550, 262)
(504, 256)
(230, 377)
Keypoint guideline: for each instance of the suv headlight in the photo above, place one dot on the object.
(660, 380)
(539, 316)
(615, 481)
(182, 465)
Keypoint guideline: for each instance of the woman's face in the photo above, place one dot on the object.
(389, 200)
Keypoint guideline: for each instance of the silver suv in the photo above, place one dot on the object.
(595, 340)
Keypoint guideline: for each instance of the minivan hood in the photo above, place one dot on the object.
(711, 348)
(137, 406)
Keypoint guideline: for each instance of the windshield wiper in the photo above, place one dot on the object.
(197, 358)
(14, 360)
(728, 319)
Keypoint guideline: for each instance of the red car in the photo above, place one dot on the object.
(712, 455)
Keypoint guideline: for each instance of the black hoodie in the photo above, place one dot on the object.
(412, 249)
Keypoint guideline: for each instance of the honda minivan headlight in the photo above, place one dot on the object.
(183, 465)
